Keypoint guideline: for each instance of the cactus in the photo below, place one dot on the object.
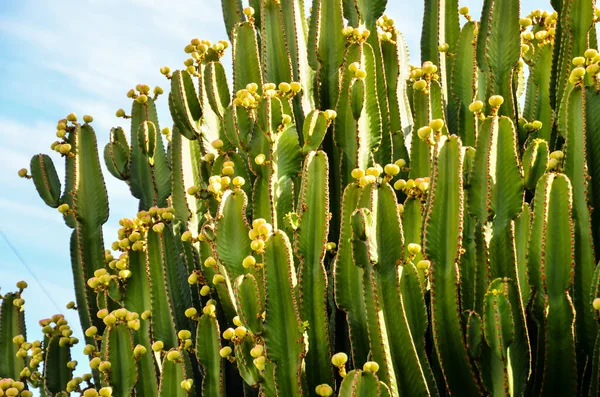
(340, 222)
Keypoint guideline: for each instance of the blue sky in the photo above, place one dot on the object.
(82, 56)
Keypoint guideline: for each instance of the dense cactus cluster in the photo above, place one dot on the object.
(334, 221)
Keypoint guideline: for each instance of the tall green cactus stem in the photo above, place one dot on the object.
(551, 268)
(12, 324)
(348, 278)
(282, 328)
(495, 195)
(575, 168)
(442, 238)
(439, 37)
(311, 238)
(412, 372)
(498, 50)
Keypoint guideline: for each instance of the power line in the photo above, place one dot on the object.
(14, 250)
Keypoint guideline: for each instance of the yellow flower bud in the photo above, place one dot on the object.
(210, 262)
(209, 309)
(360, 74)
(463, 10)
(496, 101)
(228, 334)
(173, 355)
(423, 264)
(399, 184)
(248, 11)
(158, 346)
(436, 124)
(205, 290)
(424, 133)
(184, 334)
(218, 279)
(240, 331)
(324, 390)
(105, 392)
(358, 173)
(259, 363)
(217, 144)
(339, 359)
(476, 107)
(295, 86)
(414, 249)
(225, 352)
(139, 350)
(187, 384)
(257, 245)
(371, 366)
(330, 114)
(248, 261)
(257, 351)
(260, 159)
(191, 312)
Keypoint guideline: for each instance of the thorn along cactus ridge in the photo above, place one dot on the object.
(330, 220)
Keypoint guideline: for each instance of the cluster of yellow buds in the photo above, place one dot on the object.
(431, 132)
(35, 359)
(339, 361)
(258, 352)
(103, 392)
(119, 316)
(413, 187)
(535, 125)
(355, 68)
(356, 35)
(101, 280)
(60, 328)
(121, 265)
(143, 91)
(13, 388)
(62, 128)
(261, 230)
(217, 185)
(247, 97)
(555, 161)
(386, 23)
(423, 75)
(544, 24)
(198, 50)
(369, 176)
(185, 339)
(74, 385)
(236, 335)
(210, 309)
(589, 63)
